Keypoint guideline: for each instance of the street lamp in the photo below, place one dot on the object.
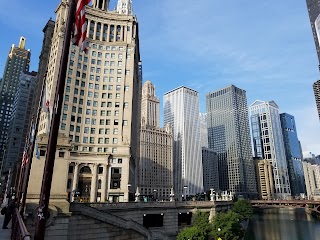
(185, 192)
(154, 194)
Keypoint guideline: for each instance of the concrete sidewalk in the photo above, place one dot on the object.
(5, 234)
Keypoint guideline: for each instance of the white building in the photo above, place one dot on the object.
(312, 180)
(268, 143)
(181, 110)
(100, 118)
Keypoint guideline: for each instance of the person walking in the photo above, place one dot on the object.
(8, 215)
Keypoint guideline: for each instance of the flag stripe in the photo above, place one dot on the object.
(80, 25)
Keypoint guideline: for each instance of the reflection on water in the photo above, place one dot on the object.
(283, 224)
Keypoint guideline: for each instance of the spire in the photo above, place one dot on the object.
(101, 4)
(22, 42)
(124, 7)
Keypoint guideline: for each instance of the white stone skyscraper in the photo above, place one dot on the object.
(181, 110)
(229, 136)
(268, 143)
(155, 168)
(98, 145)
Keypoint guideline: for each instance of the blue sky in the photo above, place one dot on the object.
(264, 47)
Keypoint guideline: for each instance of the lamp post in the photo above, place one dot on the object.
(185, 192)
(154, 194)
(219, 230)
(128, 186)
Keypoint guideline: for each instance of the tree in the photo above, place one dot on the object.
(243, 208)
(192, 233)
(227, 227)
(199, 230)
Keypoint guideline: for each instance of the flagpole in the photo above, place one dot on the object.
(54, 130)
(26, 175)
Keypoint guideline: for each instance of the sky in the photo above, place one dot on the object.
(264, 47)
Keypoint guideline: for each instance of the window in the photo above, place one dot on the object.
(102, 113)
(85, 139)
(117, 95)
(115, 131)
(126, 88)
(116, 122)
(109, 95)
(92, 140)
(108, 113)
(126, 105)
(78, 129)
(120, 64)
(118, 79)
(89, 103)
(86, 130)
(115, 140)
(120, 56)
(101, 130)
(116, 113)
(127, 72)
(87, 121)
(107, 131)
(117, 104)
(100, 140)
(93, 131)
(106, 140)
(108, 122)
(119, 71)
(63, 126)
(125, 122)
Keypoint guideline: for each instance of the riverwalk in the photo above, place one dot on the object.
(4, 233)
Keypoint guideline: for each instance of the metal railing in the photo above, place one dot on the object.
(19, 230)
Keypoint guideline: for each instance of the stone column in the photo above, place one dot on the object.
(93, 193)
(104, 184)
(88, 27)
(115, 33)
(101, 32)
(75, 180)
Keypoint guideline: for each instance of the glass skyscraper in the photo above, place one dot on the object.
(229, 136)
(293, 154)
(268, 143)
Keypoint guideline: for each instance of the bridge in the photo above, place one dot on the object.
(125, 221)
(310, 205)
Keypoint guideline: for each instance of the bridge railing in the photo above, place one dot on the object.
(136, 205)
(19, 230)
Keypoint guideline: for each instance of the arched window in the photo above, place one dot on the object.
(85, 170)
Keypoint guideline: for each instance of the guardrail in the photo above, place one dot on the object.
(19, 230)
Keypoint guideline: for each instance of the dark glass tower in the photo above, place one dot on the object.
(316, 89)
(18, 61)
(229, 136)
(293, 154)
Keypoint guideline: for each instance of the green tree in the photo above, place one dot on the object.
(227, 227)
(243, 208)
(192, 233)
(200, 228)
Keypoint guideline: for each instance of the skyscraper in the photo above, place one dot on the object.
(314, 15)
(20, 120)
(18, 61)
(210, 169)
(268, 143)
(314, 12)
(203, 129)
(229, 136)
(101, 107)
(181, 110)
(293, 154)
(155, 168)
(316, 89)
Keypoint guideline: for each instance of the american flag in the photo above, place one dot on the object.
(25, 159)
(80, 25)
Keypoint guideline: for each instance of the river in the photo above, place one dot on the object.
(283, 224)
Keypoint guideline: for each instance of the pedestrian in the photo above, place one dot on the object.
(10, 210)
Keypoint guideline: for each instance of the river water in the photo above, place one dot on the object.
(283, 224)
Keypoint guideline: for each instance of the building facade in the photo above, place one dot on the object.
(181, 111)
(155, 168)
(264, 179)
(18, 61)
(210, 169)
(293, 154)
(316, 89)
(203, 130)
(229, 136)
(268, 143)
(312, 180)
(314, 12)
(20, 119)
(101, 106)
